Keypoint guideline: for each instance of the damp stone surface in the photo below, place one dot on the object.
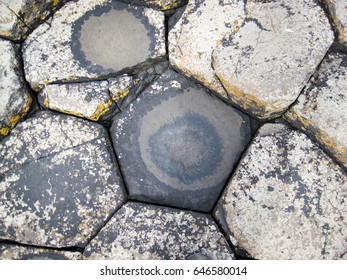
(321, 110)
(16, 252)
(286, 200)
(20, 17)
(90, 39)
(59, 182)
(145, 232)
(177, 145)
(15, 99)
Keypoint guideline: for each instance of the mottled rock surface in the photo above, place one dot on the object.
(59, 181)
(14, 252)
(321, 110)
(265, 64)
(19, 17)
(286, 199)
(15, 100)
(91, 39)
(338, 12)
(177, 145)
(158, 4)
(144, 232)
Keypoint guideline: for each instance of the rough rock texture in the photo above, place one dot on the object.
(58, 181)
(14, 252)
(321, 110)
(91, 39)
(266, 63)
(199, 31)
(338, 12)
(18, 17)
(177, 145)
(15, 100)
(158, 4)
(144, 232)
(286, 200)
(262, 59)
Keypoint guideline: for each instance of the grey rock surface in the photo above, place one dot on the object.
(159, 4)
(265, 64)
(177, 145)
(286, 199)
(59, 181)
(145, 232)
(19, 17)
(90, 39)
(15, 252)
(338, 12)
(15, 99)
(321, 110)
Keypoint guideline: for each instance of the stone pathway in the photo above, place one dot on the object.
(172, 129)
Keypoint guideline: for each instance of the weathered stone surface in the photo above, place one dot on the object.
(321, 110)
(199, 31)
(15, 100)
(143, 232)
(59, 181)
(338, 11)
(177, 145)
(91, 39)
(17, 17)
(158, 4)
(14, 252)
(286, 199)
(265, 64)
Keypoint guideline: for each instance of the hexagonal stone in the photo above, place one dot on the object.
(15, 252)
(91, 39)
(321, 110)
(198, 32)
(58, 181)
(177, 144)
(18, 17)
(338, 11)
(265, 64)
(286, 199)
(15, 100)
(144, 232)
(159, 4)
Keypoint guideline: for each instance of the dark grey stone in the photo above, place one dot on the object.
(177, 145)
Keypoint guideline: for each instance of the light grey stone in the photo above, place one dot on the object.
(145, 232)
(265, 64)
(18, 17)
(59, 181)
(16, 252)
(338, 12)
(286, 200)
(90, 39)
(321, 110)
(15, 99)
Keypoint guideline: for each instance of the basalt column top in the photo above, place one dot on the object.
(93, 39)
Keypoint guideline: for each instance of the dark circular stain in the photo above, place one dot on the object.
(187, 149)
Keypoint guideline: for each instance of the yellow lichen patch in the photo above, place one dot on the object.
(56, 2)
(100, 110)
(120, 95)
(4, 131)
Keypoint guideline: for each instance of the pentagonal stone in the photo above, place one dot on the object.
(15, 252)
(198, 32)
(93, 39)
(286, 200)
(159, 4)
(18, 17)
(177, 145)
(143, 232)
(321, 110)
(59, 181)
(338, 11)
(15, 100)
(265, 64)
